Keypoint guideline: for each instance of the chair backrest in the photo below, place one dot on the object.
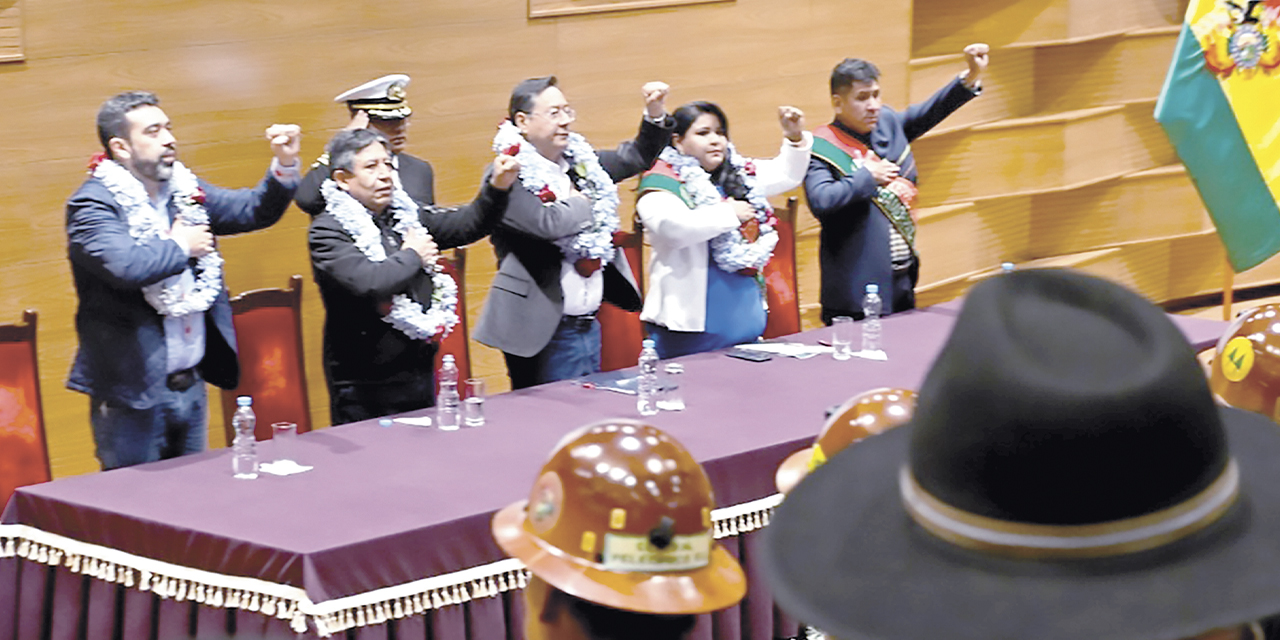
(621, 331)
(269, 340)
(24, 453)
(457, 343)
(781, 288)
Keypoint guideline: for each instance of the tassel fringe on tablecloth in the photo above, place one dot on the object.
(291, 603)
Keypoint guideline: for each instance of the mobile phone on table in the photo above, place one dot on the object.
(748, 354)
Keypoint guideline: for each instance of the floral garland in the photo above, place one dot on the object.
(537, 174)
(731, 251)
(406, 315)
(174, 299)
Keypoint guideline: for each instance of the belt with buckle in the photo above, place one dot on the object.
(581, 323)
(181, 380)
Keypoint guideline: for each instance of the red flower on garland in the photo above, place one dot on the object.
(511, 150)
(546, 195)
(95, 160)
(198, 196)
(750, 168)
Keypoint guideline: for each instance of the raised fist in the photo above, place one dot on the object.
(792, 121)
(286, 143)
(505, 170)
(655, 95)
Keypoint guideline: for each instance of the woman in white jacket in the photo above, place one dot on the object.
(711, 230)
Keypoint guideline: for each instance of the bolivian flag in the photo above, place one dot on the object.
(1220, 107)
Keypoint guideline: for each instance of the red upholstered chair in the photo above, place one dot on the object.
(24, 454)
(269, 339)
(457, 342)
(621, 331)
(781, 287)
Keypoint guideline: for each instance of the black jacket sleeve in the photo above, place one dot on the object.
(457, 226)
(636, 156)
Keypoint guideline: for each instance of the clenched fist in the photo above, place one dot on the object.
(505, 170)
(792, 121)
(977, 56)
(286, 143)
(655, 95)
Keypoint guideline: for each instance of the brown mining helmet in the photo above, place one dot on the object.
(1246, 365)
(861, 416)
(620, 515)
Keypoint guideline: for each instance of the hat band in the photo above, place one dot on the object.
(1117, 537)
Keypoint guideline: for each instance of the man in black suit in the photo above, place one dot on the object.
(373, 250)
(380, 105)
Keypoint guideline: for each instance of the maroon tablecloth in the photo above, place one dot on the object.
(386, 506)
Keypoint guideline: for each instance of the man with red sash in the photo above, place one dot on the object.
(861, 184)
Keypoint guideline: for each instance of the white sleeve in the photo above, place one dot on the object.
(786, 171)
(673, 225)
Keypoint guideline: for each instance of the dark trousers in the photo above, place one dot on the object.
(353, 402)
(904, 295)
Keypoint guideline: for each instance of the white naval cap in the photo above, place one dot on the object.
(384, 98)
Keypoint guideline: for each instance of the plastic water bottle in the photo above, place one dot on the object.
(871, 306)
(647, 384)
(244, 456)
(447, 400)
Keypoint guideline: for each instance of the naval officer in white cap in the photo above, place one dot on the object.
(380, 105)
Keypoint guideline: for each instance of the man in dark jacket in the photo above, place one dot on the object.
(373, 252)
(861, 185)
(154, 320)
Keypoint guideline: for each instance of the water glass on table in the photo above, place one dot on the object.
(669, 398)
(473, 403)
(283, 435)
(842, 337)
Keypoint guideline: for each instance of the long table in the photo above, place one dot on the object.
(388, 536)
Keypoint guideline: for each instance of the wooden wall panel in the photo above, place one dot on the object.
(1008, 89)
(226, 70)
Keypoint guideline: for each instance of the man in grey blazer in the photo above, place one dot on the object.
(555, 262)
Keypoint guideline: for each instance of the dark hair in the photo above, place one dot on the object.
(685, 116)
(852, 70)
(112, 122)
(347, 143)
(688, 113)
(606, 623)
(526, 92)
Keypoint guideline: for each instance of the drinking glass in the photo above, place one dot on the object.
(842, 337)
(283, 435)
(473, 404)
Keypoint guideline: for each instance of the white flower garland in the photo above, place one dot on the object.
(131, 195)
(730, 250)
(537, 174)
(406, 315)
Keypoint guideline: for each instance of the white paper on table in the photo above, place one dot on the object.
(420, 421)
(283, 468)
(789, 349)
(878, 354)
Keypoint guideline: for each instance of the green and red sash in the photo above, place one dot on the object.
(663, 177)
(847, 154)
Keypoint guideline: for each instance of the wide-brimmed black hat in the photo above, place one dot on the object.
(1067, 476)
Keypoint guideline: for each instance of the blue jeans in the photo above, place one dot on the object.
(574, 351)
(175, 426)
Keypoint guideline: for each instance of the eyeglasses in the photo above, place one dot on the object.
(556, 114)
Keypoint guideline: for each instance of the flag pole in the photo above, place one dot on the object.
(1228, 287)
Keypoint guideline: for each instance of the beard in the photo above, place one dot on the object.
(158, 170)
